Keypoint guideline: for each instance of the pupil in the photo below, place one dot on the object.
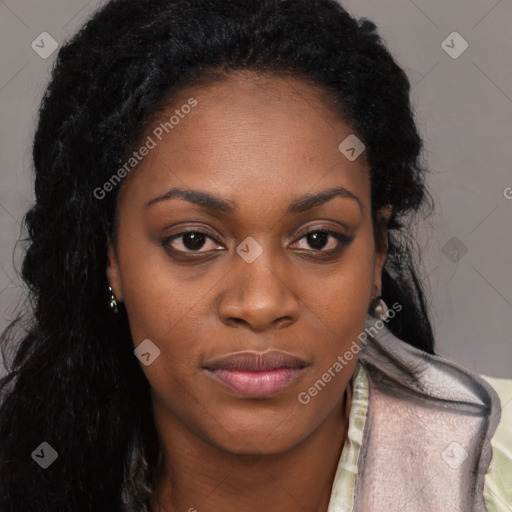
(193, 240)
(318, 240)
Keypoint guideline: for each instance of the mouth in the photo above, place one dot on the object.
(257, 375)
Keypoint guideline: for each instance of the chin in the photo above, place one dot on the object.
(259, 445)
(251, 439)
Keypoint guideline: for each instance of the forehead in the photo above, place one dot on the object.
(250, 136)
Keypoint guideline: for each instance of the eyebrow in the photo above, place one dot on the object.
(211, 202)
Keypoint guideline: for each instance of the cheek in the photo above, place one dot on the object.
(339, 306)
(156, 296)
(165, 309)
(341, 297)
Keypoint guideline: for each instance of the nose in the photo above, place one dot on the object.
(259, 295)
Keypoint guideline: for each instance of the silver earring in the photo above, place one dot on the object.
(113, 302)
(379, 308)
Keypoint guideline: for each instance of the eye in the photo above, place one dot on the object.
(188, 241)
(318, 239)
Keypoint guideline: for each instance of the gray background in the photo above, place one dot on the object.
(464, 112)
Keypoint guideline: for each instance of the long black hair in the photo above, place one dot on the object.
(73, 381)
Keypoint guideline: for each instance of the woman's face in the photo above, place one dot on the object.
(263, 276)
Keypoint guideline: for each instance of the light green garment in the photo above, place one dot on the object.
(498, 480)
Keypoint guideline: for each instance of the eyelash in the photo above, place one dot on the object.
(343, 241)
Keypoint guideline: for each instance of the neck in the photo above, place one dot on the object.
(199, 477)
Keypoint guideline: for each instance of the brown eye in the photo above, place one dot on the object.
(191, 241)
(319, 239)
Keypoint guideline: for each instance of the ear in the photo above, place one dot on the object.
(112, 270)
(381, 249)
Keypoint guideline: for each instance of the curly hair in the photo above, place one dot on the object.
(72, 378)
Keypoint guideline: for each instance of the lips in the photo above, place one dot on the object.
(257, 375)
(257, 361)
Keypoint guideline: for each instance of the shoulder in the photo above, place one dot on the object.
(498, 480)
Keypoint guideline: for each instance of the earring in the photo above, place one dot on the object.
(378, 308)
(113, 302)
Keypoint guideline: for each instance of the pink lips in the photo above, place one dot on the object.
(257, 375)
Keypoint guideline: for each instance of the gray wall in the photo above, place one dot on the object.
(464, 111)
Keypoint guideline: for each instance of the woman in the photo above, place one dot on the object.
(226, 310)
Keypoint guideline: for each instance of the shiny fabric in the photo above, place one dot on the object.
(419, 432)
